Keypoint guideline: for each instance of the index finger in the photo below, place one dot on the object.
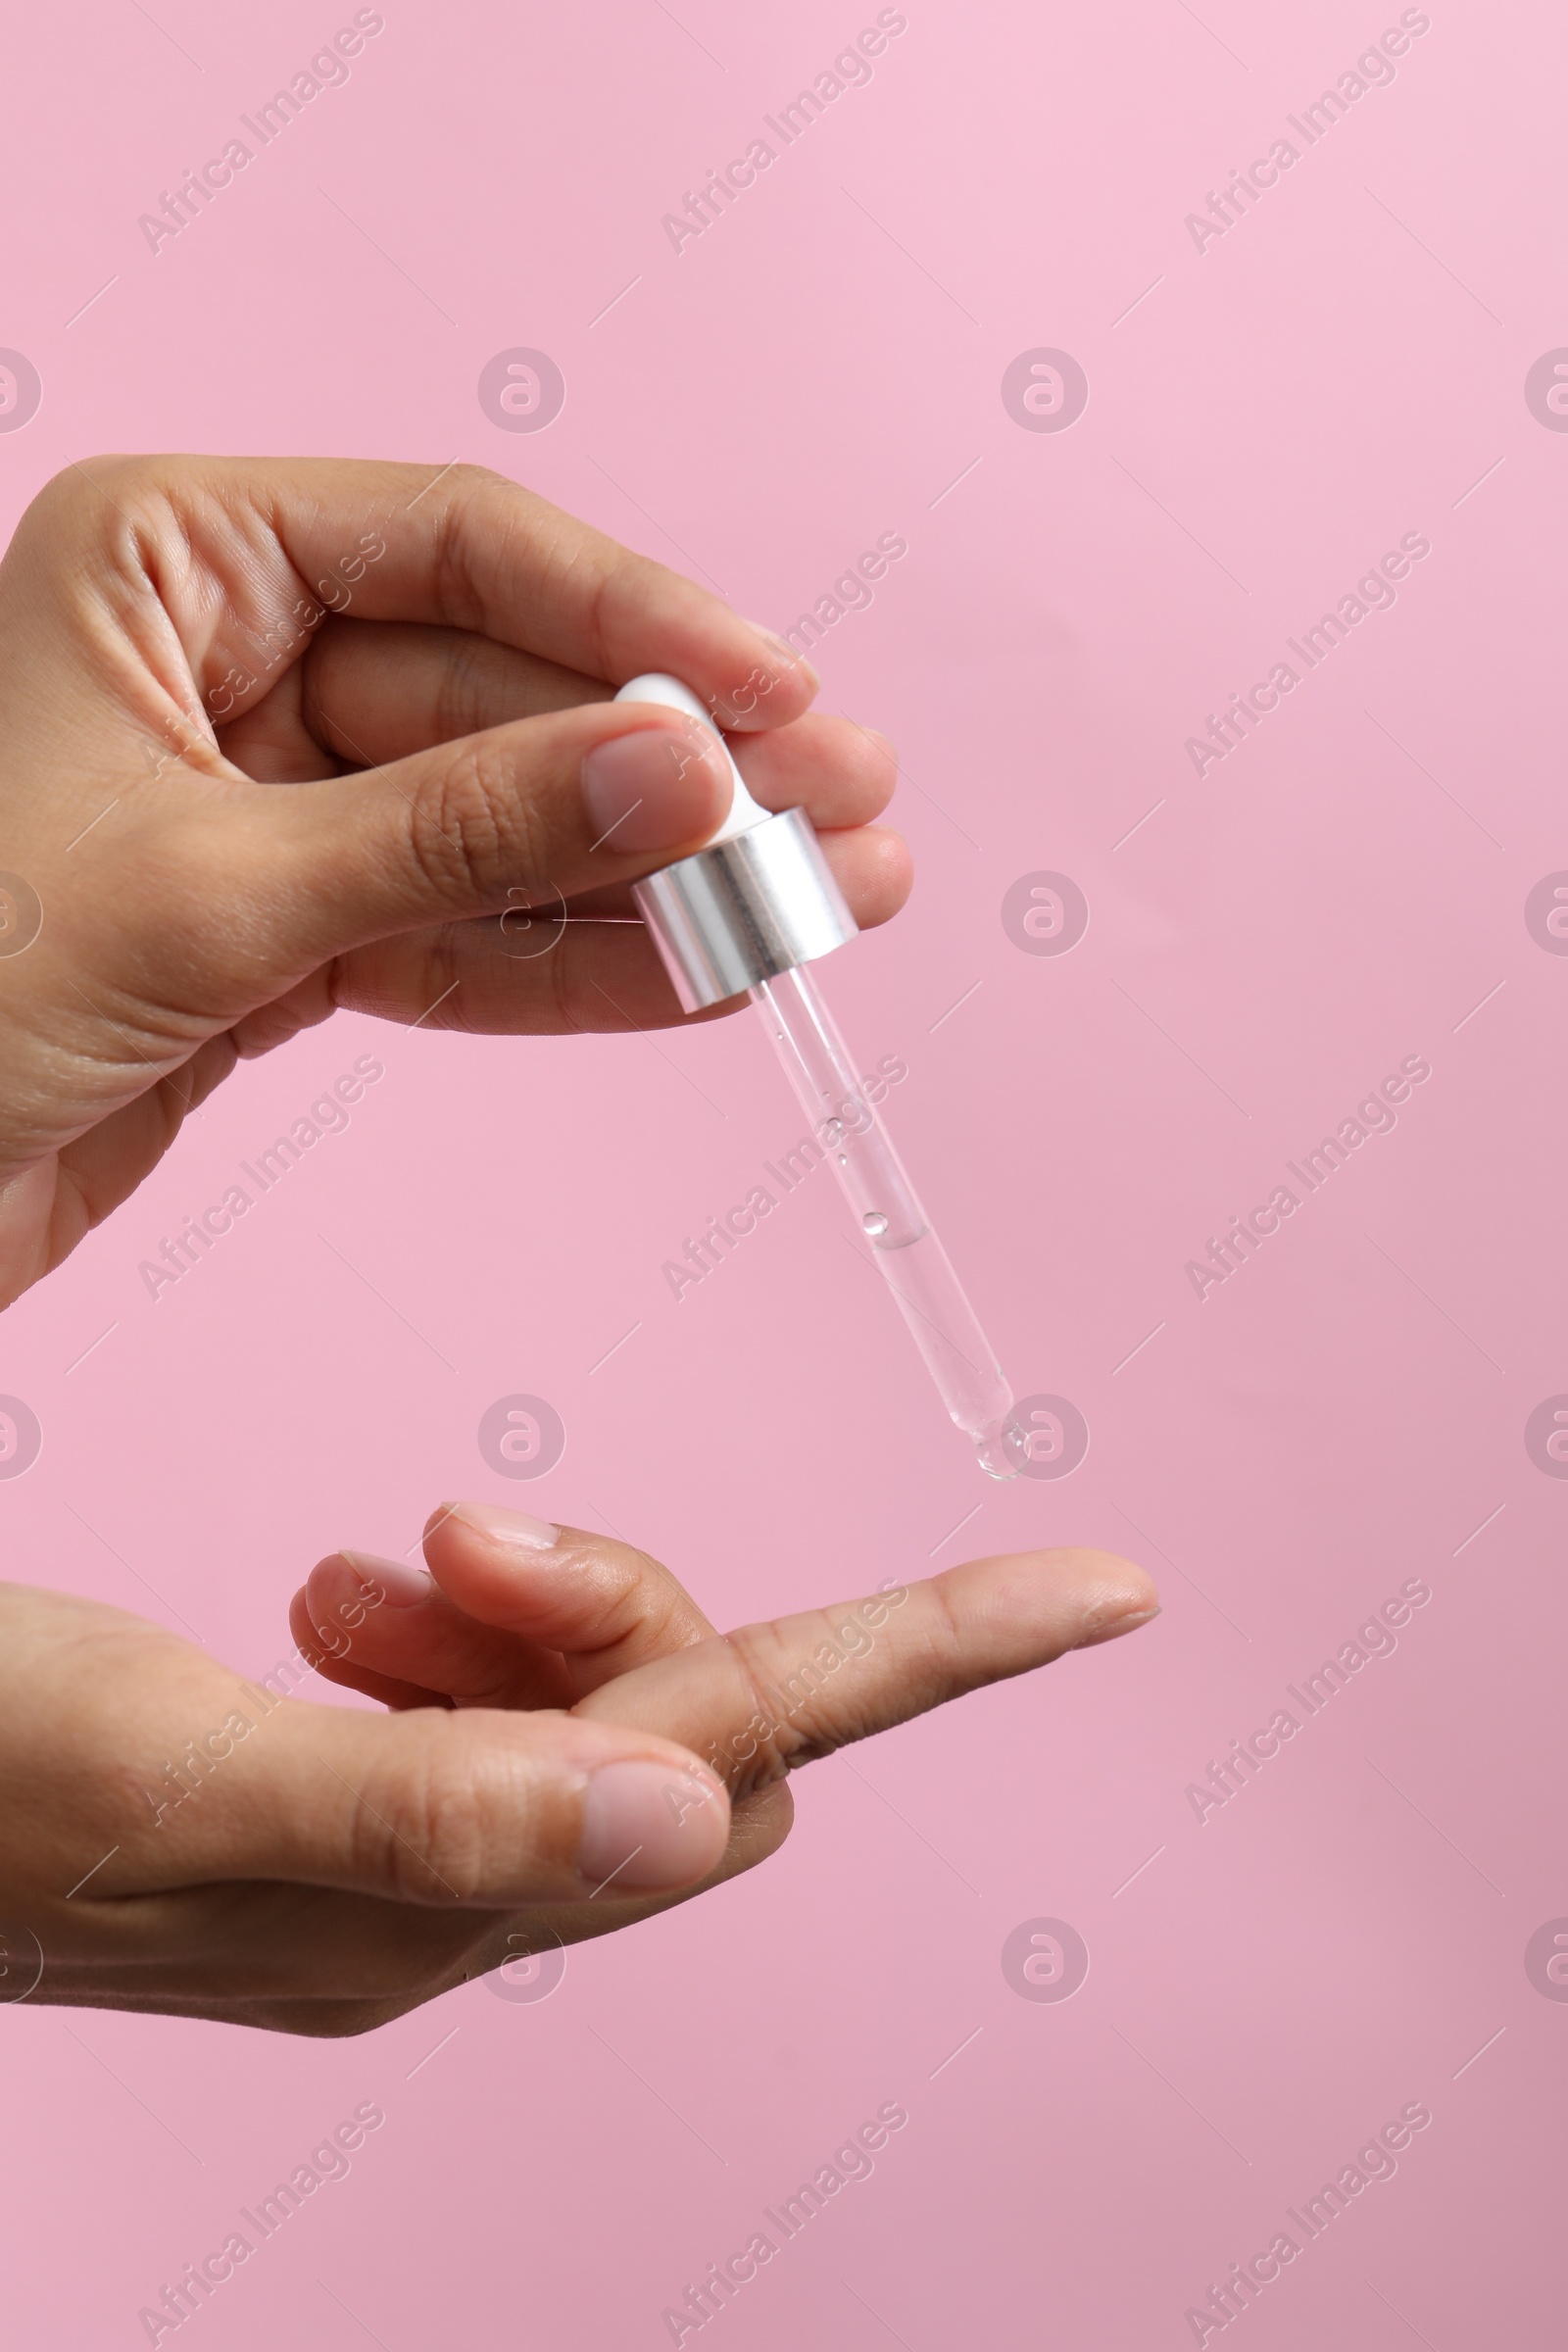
(516, 1612)
(606, 1608)
(761, 1701)
(456, 545)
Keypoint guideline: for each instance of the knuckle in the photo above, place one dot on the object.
(460, 684)
(62, 499)
(777, 1728)
(625, 1592)
(430, 1831)
(457, 598)
(946, 1640)
(758, 1826)
(571, 1015)
(596, 601)
(91, 500)
(74, 484)
(468, 478)
(470, 830)
(441, 970)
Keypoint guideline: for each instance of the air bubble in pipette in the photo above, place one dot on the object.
(906, 1252)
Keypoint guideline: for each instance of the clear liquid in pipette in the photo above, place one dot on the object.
(908, 1254)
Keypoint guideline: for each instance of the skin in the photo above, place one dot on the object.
(168, 665)
(276, 737)
(337, 1867)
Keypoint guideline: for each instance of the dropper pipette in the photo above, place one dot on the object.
(748, 913)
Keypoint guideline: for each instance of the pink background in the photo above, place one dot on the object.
(1342, 367)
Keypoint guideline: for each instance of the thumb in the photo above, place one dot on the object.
(522, 814)
(473, 1807)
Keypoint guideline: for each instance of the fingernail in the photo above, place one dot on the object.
(1118, 1625)
(884, 744)
(394, 1581)
(785, 653)
(646, 1825)
(653, 791)
(502, 1526)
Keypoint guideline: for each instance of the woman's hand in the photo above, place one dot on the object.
(571, 1747)
(280, 736)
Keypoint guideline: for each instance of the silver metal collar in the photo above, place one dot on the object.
(743, 911)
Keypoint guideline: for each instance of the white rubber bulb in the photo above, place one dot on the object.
(655, 687)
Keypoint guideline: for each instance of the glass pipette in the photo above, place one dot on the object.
(747, 913)
(904, 1247)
